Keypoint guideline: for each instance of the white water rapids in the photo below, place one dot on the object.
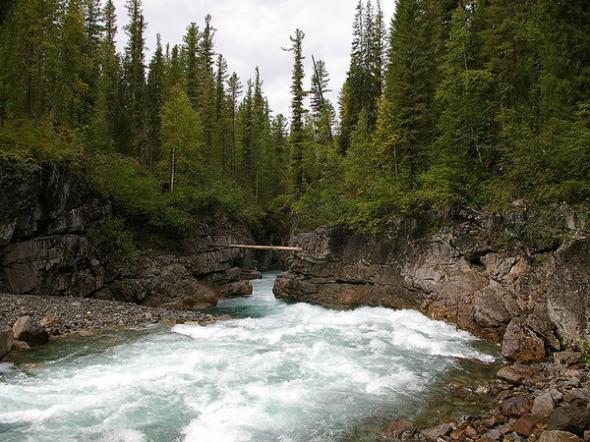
(279, 372)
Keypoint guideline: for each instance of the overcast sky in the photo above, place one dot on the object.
(251, 33)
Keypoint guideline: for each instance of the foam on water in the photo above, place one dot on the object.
(280, 372)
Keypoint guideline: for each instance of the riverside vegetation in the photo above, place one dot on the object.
(460, 104)
(453, 173)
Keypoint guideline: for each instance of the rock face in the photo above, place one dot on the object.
(49, 245)
(6, 342)
(534, 299)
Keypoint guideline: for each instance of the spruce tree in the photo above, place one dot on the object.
(406, 114)
(135, 74)
(207, 83)
(191, 66)
(297, 113)
(155, 90)
(234, 92)
(322, 109)
(221, 118)
(69, 97)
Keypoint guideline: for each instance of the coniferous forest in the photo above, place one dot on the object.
(450, 105)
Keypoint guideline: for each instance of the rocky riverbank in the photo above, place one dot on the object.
(544, 401)
(63, 316)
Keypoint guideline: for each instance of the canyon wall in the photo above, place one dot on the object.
(51, 243)
(533, 297)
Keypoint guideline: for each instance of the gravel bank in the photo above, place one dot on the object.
(62, 316)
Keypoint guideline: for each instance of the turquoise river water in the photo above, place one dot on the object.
(276, 372)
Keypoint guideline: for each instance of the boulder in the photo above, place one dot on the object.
(6, 342)
(516, 406)
(404, 430)
(544, 405)
(521, 343)
(526, 424)
(249, 275)
(567, 358)
(27, 331)
(21, 346)
(573, 418)
(236, 289)
(515, 374)
(559, 436)
(439, 431)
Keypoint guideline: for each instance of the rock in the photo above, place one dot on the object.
(237, 289)
(521, 343)
(567, 358)
(26, 330)
(558, 436)
(462, 274)
(543, 405)
(556, 395)
(573, 418)
(6, 342)
(515, 374)
(526, 424)
(439, 431)
(248, 275)
(404, 430)
(21, 346)
(575, 394)
(516, 406)
(493, 435)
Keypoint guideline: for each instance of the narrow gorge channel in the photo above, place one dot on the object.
(275, 372)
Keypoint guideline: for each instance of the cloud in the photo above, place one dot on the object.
(251, 33)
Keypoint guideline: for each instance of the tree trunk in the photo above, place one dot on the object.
(173, 170)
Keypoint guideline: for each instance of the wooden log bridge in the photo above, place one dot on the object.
(261, 248)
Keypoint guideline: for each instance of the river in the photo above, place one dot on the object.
(276, 372)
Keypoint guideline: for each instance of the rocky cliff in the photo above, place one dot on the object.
(51, 244)
(504, 278)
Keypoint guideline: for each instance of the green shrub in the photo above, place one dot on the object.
(113, 239)
(583, 345)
